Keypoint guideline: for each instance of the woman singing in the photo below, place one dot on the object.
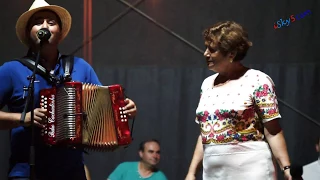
(238, 114)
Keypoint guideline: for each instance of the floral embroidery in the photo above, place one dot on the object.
(233, 116)
(222, 114)
(203, 116)
(225, 126)
(262, 91)
(266, 101)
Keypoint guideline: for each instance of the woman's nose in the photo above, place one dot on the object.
(206, 53)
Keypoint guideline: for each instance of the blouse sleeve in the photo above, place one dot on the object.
(265, 100)
(203, 87)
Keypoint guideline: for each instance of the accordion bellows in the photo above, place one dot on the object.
(85, 115)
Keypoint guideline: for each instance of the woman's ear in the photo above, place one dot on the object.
(232, 54)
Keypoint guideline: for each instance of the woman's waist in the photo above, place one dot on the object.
(235, 148)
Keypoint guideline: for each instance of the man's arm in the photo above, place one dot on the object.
(7, 120)
(92, 76)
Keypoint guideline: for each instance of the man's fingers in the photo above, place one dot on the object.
(42, 110)
(36, 123)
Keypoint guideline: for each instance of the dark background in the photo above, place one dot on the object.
(163, 73)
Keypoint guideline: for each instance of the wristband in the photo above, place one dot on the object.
(285, 168)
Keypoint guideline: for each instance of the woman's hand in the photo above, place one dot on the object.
(190, 176)
(287, 175)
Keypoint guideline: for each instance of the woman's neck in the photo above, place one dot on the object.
(234, 71)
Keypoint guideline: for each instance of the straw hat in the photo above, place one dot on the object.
(39, 5)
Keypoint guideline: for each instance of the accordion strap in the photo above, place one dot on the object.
(67, 64)
(40, 69)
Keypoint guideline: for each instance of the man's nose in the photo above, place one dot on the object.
(45, 24)
(156, 156)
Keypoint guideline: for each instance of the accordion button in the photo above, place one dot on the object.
(121, 116)
(124, 116)
(42, 96)
(120, 112)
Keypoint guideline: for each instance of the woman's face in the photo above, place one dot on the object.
(216, 61)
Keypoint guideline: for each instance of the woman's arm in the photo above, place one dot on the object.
(196, 159)
(87, 172)
(275, 138)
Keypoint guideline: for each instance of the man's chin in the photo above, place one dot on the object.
(153, 164)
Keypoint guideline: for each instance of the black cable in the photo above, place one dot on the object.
(162, 26)
(199, 50)
(177, 36)
(299, 112)
(114, 20)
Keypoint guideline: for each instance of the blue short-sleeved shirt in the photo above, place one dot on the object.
(49, 161)
(129, 171)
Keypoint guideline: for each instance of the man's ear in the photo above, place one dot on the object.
(318, 147)
(140, 154)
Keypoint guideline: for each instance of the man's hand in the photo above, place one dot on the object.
(39, 117)
(130, 108)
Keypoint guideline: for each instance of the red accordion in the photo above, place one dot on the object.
(85, 115)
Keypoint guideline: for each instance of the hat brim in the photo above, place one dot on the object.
(23, 20)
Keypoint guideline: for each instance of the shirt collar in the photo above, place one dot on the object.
(33, 55)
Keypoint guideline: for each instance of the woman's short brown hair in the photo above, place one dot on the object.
(229, 37)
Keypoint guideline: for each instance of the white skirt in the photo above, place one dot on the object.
(243, 161)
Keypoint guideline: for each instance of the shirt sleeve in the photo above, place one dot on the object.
(92, 77)
(162, 176)
(265, 100)
(6, 85)
(117, 173)
(197, 120)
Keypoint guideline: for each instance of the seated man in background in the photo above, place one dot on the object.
(312, 171)
(149, 152)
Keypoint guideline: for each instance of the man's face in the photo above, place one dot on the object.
(44, 19)
(151, 153)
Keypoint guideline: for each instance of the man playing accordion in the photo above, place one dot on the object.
(51, 162)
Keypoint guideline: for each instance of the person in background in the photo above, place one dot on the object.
(312, 171)
(149, 152)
